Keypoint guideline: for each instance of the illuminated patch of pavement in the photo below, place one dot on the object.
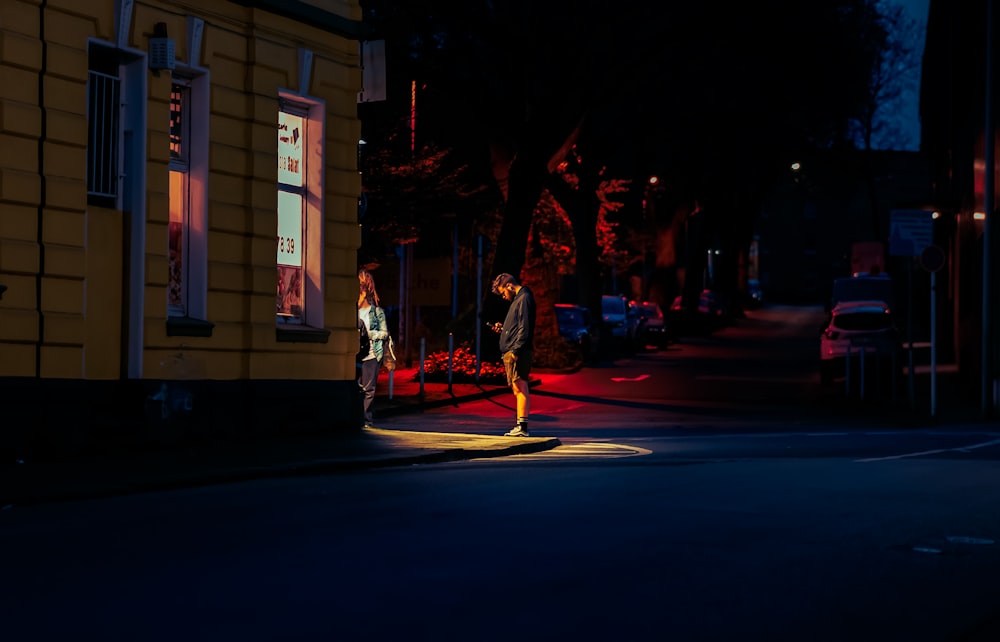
(586, 450)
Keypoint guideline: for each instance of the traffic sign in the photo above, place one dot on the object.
(910, 231)
(932, 258)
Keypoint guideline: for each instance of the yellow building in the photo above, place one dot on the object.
(178, 220)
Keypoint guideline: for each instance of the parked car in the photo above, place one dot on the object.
(863, 287)
(856, 327)
(653, 325)
(575, 326)
(620, 320)
(710, 304)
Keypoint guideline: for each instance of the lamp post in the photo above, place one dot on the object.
(652, 233)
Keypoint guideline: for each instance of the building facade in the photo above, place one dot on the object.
(178, 220)
(959, 117)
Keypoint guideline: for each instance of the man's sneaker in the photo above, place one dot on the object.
(517, 431)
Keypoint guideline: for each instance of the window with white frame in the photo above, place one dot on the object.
(187, 235)
(291, 213)
(299, 257)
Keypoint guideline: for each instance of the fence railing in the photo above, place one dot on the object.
(870, 372)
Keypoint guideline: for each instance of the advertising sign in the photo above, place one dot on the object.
(290, 149)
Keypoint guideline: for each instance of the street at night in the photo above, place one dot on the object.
(676, 508)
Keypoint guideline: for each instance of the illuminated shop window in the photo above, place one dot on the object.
(180, 202)
(187, 237)
(299, 253)
(291, 215)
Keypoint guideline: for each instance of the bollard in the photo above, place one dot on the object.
(895, 368)
(423, 343)
(861, 374)
(847, 372)
(451, 359)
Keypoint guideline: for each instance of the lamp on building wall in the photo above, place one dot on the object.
(161, 49)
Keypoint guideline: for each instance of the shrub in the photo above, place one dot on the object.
(556, 354)
(463, 367)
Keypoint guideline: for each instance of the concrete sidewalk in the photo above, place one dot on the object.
(31, 482)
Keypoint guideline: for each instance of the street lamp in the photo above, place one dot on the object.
(651, 235)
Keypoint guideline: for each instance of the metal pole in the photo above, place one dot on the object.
(408, 332)
(933, 343)
(401, 331)
(861, 374)
(847, 372)
(451, 358)
(422, 348)
(454, 301)
(479, 302)
(895, 372)
(911, 391)
(986, 343)
(454, 271)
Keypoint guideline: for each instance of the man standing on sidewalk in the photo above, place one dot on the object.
(516, 334)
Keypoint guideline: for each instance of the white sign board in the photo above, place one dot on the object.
(289, 229)
(910, 231)
(290, 149)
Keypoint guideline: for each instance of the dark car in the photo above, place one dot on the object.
(575, 325)
(620, 318)
(713, 311)
(652, 325)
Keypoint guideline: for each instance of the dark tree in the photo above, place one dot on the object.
(712, 99)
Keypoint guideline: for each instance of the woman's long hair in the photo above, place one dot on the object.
(367, 284)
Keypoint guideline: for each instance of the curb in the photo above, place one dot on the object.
(408, 456)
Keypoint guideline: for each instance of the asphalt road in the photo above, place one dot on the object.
(693, 499)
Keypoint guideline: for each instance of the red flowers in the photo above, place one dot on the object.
(463, 367)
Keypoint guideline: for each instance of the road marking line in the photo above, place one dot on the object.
(964, 539)
(750, 378)
(960, 449)
(621, 379)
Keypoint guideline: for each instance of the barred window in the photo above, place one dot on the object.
(103, 127)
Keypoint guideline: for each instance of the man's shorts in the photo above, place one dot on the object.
(516, 369)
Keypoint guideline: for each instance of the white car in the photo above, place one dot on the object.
(856, 327)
